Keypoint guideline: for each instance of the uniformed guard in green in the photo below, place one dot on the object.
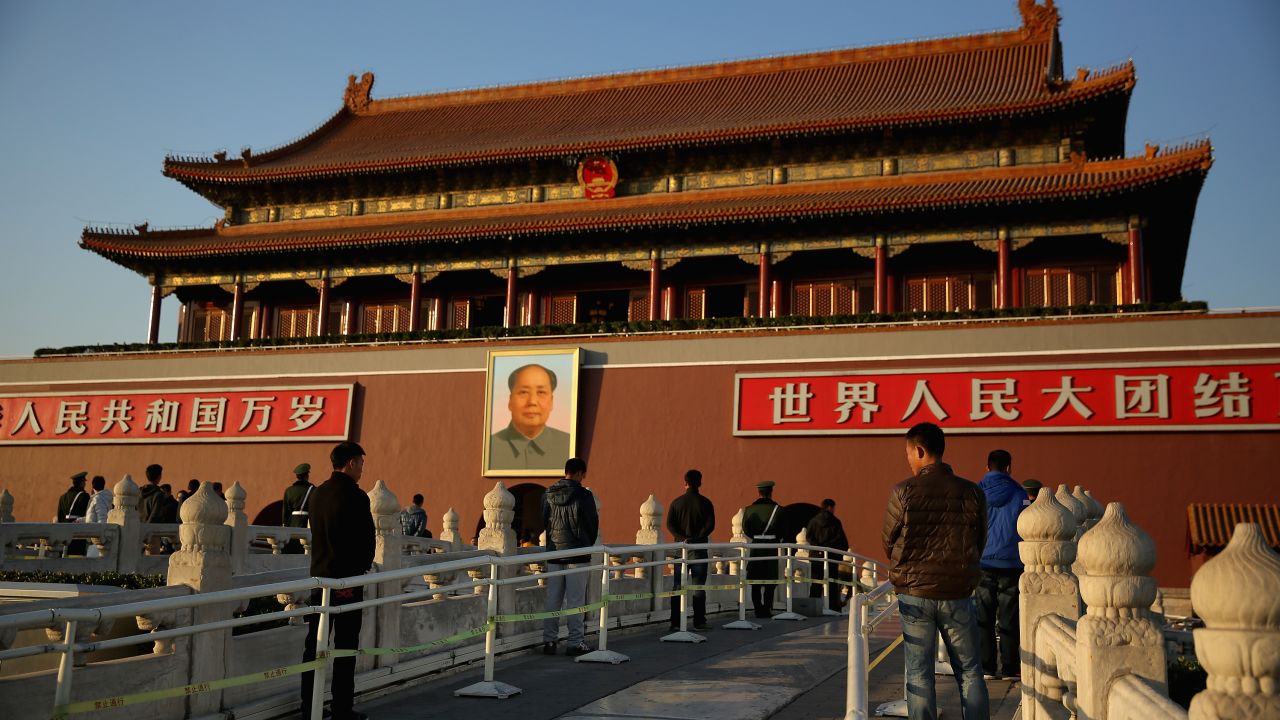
(294, 508)
(761, 521)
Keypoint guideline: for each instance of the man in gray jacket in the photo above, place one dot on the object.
(569, 514)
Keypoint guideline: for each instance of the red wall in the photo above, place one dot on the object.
(641, 428)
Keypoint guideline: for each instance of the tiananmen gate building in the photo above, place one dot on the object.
(769, 268)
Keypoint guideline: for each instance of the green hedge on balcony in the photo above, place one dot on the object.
(622, 327)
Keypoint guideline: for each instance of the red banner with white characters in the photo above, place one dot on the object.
(1077, 398)
(270, 414)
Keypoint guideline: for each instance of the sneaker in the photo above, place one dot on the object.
(548, 648)
(1015, 677)
(988, 676)
(577, 649)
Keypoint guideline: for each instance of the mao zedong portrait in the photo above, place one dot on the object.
(527, 442)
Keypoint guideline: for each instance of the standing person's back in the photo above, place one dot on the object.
(569, 514)
(691, 519)
(935, 528)
(997, 594)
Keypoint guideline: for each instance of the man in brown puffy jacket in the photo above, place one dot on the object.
(934, 530)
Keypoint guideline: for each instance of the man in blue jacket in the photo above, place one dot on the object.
(997, 593)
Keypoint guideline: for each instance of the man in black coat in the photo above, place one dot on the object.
(342, 543)
(826, 530)
(691, 519)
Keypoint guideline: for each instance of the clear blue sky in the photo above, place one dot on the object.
(93, 95)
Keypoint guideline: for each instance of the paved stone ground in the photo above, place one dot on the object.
(786, 670)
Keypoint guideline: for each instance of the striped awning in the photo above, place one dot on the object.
(1209, 525)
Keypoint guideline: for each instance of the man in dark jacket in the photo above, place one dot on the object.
(933, 564)
(154, 504)
(761, 521)
(691, 519)
(826, 530)
(997, 595)
(569, 514)
(342, 543)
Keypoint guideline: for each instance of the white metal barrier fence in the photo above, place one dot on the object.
(633, 558)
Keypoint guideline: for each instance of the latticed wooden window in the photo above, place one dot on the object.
(385, 318)
(460, 314)
(564, 309)
(949, 293)
(210, 323)
(835, 297)
(638, 305)
(1067, 286)
(294, 322)
(695, 304)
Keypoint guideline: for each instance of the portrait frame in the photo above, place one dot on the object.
(560, 420)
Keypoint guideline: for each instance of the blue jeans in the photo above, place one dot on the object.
(563, 592)
(957, 620)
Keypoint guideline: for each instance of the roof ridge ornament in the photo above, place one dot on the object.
(1037, 18)
(356, 97)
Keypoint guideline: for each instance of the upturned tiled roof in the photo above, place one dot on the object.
(1209, 525)
(999, 74)
(888, 194)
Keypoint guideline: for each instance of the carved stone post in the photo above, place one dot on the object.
(239, 524)
(1238, 595)
(6, 506)
(650, 532)
(124, 513)
(739, 536)
(1069, 501)
(387, 555)
(799, 569)
(1092, 508)
(1117, 635)
(1047, 587)
(204, 563)
(499, 511)
(449, 530)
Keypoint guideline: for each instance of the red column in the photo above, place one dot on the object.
(437, 307)
(890, 294)
(1137, 273)
(1017, 287)
(415, 302)
(668, 302)
(882, 278)
(322, 319)
(1004, 295)
(775, 299)
(153, 319)
(763, 290)
(237, 311)
(655, 272)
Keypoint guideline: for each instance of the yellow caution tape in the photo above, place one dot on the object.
(884, 654)
(195, 688)
(712, 587)
(548, 614)
(765, 582)
(322, 658)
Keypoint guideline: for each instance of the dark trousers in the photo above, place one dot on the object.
(817, 571)
(997, 600)
(762, 600)
(697, 576)
(346, 636)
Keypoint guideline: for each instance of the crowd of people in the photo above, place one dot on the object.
(954, 565)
